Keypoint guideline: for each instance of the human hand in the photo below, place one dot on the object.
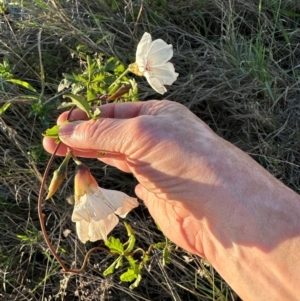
(164, 145)
(190, 179)
(206, 195)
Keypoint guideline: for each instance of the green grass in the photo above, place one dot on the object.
(239, 72)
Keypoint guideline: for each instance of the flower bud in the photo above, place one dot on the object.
(58, 176)
(55, 183)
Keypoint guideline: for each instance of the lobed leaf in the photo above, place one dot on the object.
(52, 132)
(115, 245)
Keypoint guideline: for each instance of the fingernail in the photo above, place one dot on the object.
(67, 129)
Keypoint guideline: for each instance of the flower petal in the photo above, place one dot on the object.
(82, 229)
(164, 73)
(94, 231)
(155, 83)
(91, 206)
(100, 204)
(77, 215)
(100, 230)
(120, 201)
(160, 76)
(142, 50)
(128, 205)
(159, 53)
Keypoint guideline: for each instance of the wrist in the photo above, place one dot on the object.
(252, 229)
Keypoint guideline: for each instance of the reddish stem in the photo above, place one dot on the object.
(42, 220)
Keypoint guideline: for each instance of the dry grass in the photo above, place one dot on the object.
(239, 71)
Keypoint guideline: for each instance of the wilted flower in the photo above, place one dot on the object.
(95, 207)
(152, 62)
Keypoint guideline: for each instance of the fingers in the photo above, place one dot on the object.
(114, 133)
(112, 110)
(50, 145)
(141, 192)
(117, 160)
(94, 136)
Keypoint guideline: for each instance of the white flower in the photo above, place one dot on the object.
(152, 62)
(95, 207)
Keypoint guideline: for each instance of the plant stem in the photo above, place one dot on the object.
(42, 219)
(42, 215)
(118, 79)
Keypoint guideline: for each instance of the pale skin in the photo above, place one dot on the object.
(208, 197)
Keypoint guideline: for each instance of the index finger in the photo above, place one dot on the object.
(120, 110)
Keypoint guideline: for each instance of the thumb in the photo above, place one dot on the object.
(149, 198)
(106, 134)
(141, 192)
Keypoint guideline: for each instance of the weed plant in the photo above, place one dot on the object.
(239, 71)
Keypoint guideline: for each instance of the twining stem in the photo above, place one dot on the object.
(42, 220)
(42, 215)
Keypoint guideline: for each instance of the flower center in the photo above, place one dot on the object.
(135, 69)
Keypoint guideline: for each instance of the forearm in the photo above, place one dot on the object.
(260, 270)
(255, 241)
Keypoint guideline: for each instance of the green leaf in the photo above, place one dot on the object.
(69, 77)
(132, 273)
(32, 97)
(111, 64)
(77, 88)
(115, 245)
(96, 113)
(129, 229)
(119, 69)
(132, 263)
(104, 38)
(145, 259)
(128, 276)
(64, 84)
(166, 255)
(119, 262)
(65, 105)
(4, 107)
(131, 240)
(136, 282)
(131, 244)
(290, 13)
(115, 4)
(159, 245)
(133, 92)
(80, 103)
(21, 83)
(52, 132)
(98, 78)
(116, 264)
(91, 95)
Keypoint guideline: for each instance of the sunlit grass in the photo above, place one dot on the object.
(239, 71)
